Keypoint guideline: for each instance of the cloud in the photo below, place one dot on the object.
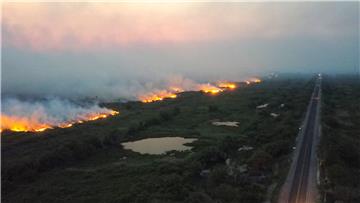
(88, 26)
(118, 50)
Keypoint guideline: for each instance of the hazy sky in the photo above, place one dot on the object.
(116, 49)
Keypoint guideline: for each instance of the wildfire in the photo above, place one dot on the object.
(227, 85)
(172, 91)
(208, 88)
(41, 129)
(101, 115)
(252, 80)
(20, 124)
(157, 96)
(255, 80)
(92, 118)
(113, 113)
(68, 125)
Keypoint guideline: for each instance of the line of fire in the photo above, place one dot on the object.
(23, 124)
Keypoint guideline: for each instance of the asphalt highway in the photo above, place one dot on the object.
(300, 186)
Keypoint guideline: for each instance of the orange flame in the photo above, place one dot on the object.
(66, 125)
(23, 124)
(157, 96)
(208, 88)
(171, 92)
(97, 116)
(227, 85)
(255, 80)
(20, 124)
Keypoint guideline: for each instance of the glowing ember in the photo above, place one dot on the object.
(255, 80)
(99, 116)
(66, 125)
(157, 96)
(171, 92)
(19, 124)
(32, 124)
(252, 80)
(227, 85)
(41, 129)
(92, 118)
(113, 113)
(208, 88)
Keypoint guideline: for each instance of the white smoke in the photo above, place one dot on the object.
(173, 82)
(50, 112)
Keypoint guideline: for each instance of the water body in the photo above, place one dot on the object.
(159, 145)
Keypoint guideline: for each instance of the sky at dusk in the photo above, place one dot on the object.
(112, 50)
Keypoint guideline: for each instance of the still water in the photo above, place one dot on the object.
(159, 145)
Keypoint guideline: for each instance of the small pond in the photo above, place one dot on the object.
(159, 145)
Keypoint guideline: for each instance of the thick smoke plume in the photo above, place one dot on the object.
(18, 115)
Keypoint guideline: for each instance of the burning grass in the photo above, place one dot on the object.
(214, 146)
(208, 88)
(160, 95)
(34, 124)
(38, 121)
(157, 96)
(253, 80)
(227, 85)
(171, 92)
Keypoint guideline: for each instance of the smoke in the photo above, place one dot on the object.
(124, 51)
(129, 75)
(38, 115)
(173, 83)
(118, 51)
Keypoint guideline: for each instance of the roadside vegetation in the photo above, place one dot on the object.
(340, 141)
(86, 163)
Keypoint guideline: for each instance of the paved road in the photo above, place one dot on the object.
(300, 185)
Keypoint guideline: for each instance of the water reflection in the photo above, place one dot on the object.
(159, 145)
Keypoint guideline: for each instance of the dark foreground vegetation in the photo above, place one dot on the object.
(340, 142)
(86, 163)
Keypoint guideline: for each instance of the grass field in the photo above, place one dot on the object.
(86, 163)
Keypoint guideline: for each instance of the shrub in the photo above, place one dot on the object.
(213, 108)
(165, 116)
(260, 160)
(199, 197)
(218, 175)
(176, 111)
(211, 156)
(111, 139)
